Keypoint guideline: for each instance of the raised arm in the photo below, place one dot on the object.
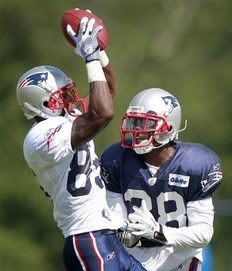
(109, 74)
(108, 71)
(100, 106)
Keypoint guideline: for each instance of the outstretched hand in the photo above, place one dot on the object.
(86, 40)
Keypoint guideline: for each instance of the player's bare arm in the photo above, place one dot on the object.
(108, 71)
(99, 114)
(110, 78)
(100, 106)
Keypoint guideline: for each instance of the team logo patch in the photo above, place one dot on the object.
(51, 133)
(216, 167)
(212, 179)
(178, 180)
(36, 79)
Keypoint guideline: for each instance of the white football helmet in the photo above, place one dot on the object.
(46, 91)
(153, 119)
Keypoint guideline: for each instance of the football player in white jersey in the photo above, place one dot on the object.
(60, 151)
(164, 186)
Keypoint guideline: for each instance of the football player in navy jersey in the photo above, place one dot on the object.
(60, 151)
(161, 185)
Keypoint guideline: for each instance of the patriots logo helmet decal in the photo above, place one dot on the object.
(171, 103)
(36, 79)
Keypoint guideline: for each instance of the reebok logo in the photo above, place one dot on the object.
(178, 180)
(111, 255)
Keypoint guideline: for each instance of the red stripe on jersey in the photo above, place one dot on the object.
(195, 263)
(79, 254)
(100, 261)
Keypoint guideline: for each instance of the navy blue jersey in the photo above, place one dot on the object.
(192, 173)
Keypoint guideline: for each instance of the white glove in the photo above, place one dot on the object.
(125, 236)
(143, 224)
(127, 239)
(86, 40)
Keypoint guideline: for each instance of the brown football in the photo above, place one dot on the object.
(73, 18)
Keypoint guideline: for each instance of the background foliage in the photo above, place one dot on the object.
(183, 46)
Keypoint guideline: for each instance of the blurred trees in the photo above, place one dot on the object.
(183, 46)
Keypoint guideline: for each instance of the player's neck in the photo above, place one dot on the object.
(158, 157)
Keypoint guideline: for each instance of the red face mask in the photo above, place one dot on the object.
(66, 98)
(137, 127)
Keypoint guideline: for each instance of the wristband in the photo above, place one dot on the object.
(103, 58)
(94, 71)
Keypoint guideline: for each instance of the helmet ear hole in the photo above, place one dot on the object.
(45, 103)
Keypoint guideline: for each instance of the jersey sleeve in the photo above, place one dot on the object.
(110, 169)
(54, 143)
(206, 174)
(200, 229)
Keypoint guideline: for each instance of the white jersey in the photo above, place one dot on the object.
(70, 177)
